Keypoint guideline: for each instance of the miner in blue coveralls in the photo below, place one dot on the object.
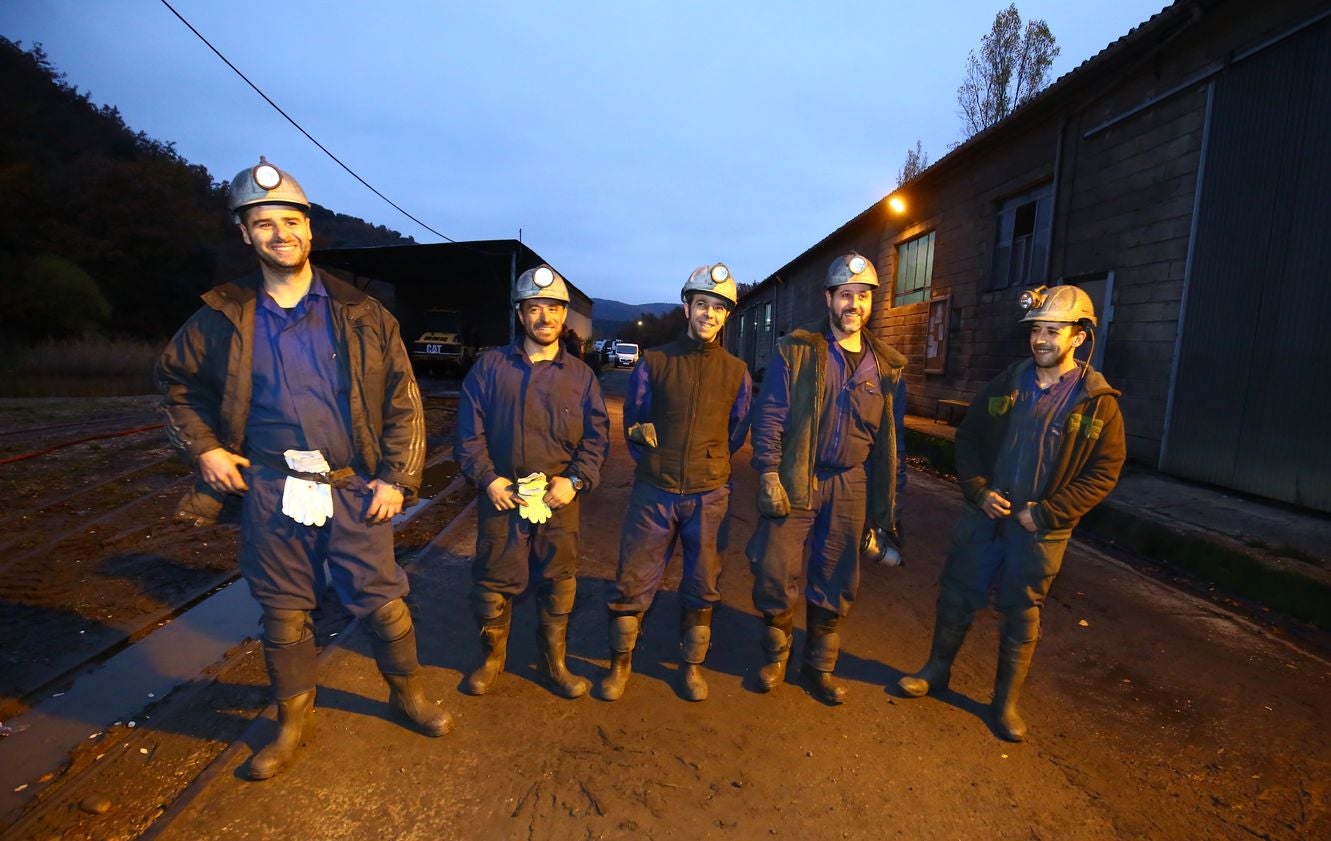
(686, 413)
(292, 393)
(532, 434)
(827, 438)
(1041, 445)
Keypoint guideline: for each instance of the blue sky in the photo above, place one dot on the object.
(630, 141)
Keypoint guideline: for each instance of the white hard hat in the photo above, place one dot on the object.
(540, 282)
(714, 280)
(264, 183)
(851, 268)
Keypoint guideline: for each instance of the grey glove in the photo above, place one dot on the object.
(772, 499)
(643, 433)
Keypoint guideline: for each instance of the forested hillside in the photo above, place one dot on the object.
(104, 230)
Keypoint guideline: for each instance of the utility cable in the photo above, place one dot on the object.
(298, 126)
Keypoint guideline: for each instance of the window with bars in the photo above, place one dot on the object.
(1021, 242)
(915, 270)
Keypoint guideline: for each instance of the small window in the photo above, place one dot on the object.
(1022, 240)
(915, 270)
(767, 317)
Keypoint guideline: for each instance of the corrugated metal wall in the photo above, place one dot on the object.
(1251, 407)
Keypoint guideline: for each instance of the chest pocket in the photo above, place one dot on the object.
(568, 423)
(866, 402)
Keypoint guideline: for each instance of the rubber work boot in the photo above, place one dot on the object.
(820, 656)
(1014, 663)
(623, 637)
(776, 644)
(937, 672)
(552, 642)
(494, 648)
(406, 697)
(295, 719)
(695, 632)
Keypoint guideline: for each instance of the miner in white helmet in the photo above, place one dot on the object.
(686, 413)
(292, 394)
(532, 433)
(1041, 445)
(827, 429)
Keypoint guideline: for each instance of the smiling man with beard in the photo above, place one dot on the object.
(532, 433)
(827, 430)
(302, 382)
(686, 413)
(1041, 445)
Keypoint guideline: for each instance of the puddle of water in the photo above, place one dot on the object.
(120, 689)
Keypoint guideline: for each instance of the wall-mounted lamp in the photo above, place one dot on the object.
(896, 203)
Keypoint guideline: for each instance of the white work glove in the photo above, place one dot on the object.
(308, 503)
(532, 491)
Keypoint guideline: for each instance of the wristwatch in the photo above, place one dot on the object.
(576, 480)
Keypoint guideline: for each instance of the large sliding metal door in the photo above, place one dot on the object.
(1251, 404)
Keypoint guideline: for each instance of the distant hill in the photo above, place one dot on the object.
(103, 228)
(609, 315)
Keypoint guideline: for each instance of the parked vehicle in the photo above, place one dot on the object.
(626, 354)
(440, 349)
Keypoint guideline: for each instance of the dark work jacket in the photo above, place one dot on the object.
(515, 418)
(206, 376)
(789, 409)
(1094, 447)
(697, 395)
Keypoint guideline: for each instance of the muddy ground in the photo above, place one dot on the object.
(1154, 714)
(90, 560)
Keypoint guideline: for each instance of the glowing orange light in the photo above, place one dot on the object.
(897, 204)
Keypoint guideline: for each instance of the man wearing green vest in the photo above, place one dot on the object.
(826, 436)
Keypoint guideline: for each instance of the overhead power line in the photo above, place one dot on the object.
(298, 126)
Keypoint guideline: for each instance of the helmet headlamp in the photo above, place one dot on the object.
(719, 273)
(1032, 298)
(857, 264)
(543, 277)
(266, 175)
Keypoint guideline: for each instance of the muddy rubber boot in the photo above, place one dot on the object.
(406, 697)
(1014, 663)
(552, 644)
(821, 647)
(937, 672)
(776, 645)
(623, 637)
(494, 650)
(295, 719)
(695, 627)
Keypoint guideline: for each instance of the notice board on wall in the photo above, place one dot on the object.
(935, 335)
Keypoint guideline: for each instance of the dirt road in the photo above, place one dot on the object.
(1153, 715)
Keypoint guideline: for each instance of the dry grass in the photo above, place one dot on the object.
(88, 367)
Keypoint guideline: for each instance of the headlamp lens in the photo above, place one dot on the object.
(857, 264)
(1029, 299)
(720, 273)
(543, 277)
(267, 176)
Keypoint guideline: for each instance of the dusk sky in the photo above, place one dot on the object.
(629, 141)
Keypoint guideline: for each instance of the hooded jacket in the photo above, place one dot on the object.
(792, 445)
(205, 375)
(1088, 464)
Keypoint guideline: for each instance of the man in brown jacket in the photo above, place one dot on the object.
(301, 381)
(1041, 445)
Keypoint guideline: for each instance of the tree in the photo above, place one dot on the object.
(916, 162)
(1012, 66)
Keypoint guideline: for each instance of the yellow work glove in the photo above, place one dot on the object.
(531, 489)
